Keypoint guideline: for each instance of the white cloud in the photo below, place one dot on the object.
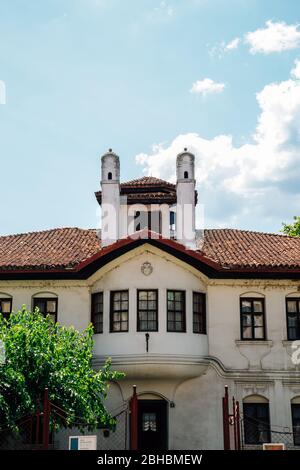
(275, 37)
(296, 70)
(224, 48)
(234, 44)
(255, 185)
(207, 86)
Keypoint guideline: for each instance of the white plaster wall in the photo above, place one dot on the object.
(73, 301)
(166, 275)
(223, 322)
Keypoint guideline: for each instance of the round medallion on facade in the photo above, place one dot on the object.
(147, 268)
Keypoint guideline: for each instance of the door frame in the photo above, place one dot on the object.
(162, 403)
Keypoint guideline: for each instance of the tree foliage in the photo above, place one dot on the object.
(292, 229)
(40, 354)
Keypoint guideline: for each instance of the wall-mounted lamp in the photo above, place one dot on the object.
(147, 337)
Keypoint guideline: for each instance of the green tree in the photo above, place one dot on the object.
(292, 229)
(40, 354)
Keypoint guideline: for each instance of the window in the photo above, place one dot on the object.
(147, 310)
(293, 318)
(119, 311)
(296, 423)
(176, 311)
(47, 306)
(97, 312)
(256, 423)
(109, 176)
(150, 220)
(252, 319)
(199, 316)
(6, 307)
(186, 174)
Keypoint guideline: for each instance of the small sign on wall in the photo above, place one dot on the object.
(274, 446)
(82, 442)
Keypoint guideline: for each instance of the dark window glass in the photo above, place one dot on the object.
(256, 423)
(47, 306)
(186, 174)
(176, 311)
(296, 423)
(119, 311)
(97, 312)
(5, 307)
(147, 310)
(199, 316)
(293, 318)
(253, 319)
(109, 176)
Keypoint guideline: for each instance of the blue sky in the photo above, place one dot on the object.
(85, 75)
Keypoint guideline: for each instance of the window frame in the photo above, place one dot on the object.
(203, 314)
(184, 311)
(255, 422)
(138, 328)
(93, 313)
(5, 299)
(252, 313)
(293, 406)
(46, 299)
(297, 300)
(112, 311)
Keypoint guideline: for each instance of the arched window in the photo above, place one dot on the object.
(186, 175)
(5, 305)
(46, 302)
(109, 176)
(256, 419)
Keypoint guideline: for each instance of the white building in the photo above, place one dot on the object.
(181, 314)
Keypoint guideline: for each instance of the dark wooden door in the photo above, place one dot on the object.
(152, 425)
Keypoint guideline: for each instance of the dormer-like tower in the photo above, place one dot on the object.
(185, 209)
(110, 184)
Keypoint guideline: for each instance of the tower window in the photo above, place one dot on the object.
(186, 175)
(109, 176)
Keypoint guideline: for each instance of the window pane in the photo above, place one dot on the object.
(124, 316)
(51, 306)
(257, 306)
(292, 320)
(247, 332)
(143, 305)
(170, 295)
(292, 306)
(142, 295)
(6, 306)
(258, 320)
(151, 295)
(259, 333)
(40, 304)
(116, 326)
(246, 306)
(178, 295)
(247, 320)
(292, 333)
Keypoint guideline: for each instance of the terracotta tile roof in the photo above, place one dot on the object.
(70, 248)
(234, 249)
(147, 190)
(57, 248)
(148, 181)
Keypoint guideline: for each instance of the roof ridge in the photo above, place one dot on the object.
(55, 229)
(249, 231)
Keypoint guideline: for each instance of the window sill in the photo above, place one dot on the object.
(289, 342)
(254, 342)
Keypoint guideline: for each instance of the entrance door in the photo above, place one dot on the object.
(152, 425)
